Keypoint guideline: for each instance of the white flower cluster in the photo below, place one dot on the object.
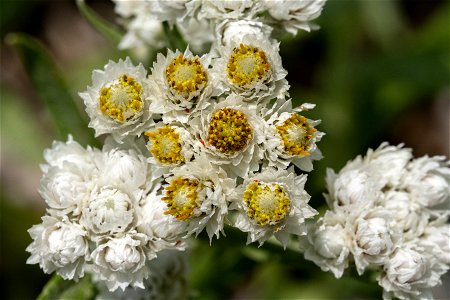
(205, 22)
(201, 142)
(389, 212)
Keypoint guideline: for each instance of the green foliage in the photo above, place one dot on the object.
(58, 288)
(51, 88)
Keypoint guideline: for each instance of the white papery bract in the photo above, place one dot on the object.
(197, 195)
(411, 272)
(329, 245)
(374, 238)
(229, 9)
(273, 202)
(117, 102)
(250, 66)
(291, 138)
(120, 262)
(59, 245)
(167, 280)
(428, 181)
(294, 15)
(229, 30)
(181, 84)
(230, 134)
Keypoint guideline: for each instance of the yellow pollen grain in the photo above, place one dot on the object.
(121, 100)
(181, 198)
(296, 133)
(166, 145)
(247, 65)
(267, 203)
(186, 77)
(229, 131)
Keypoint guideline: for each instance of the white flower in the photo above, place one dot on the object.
(167, 280)
(197, 197)
(117, 102)
(408, 215)
(328, 246)
(374, 237)
(273, 202)
(230, 133)
(291, 137)
(197, 33)
(437, 236)
(251, 67)
(180, 85)
(388, 163)
(108, 211)
(169, 145)
(229, 30)
(228, 9)
(121, 261)
(294, 15)
(410, 273)
(428, 181)
(59, 246)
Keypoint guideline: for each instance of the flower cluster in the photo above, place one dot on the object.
(198, 143)
(388, 212)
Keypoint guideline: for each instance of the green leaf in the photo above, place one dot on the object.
(107, 29)
(174, 39)
(51, 88)
(58, 288)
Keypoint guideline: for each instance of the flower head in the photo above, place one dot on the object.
(117, 102)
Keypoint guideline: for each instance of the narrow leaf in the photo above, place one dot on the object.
(107, 29)
(174, 39)
(51, 88)
(58, 288)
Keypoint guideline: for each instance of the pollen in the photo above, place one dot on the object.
(186, 77)
(182, 198)
(165, 145)
(296, 133)
(121, 100)
(229, 131)
(247, 66)
(267, 203)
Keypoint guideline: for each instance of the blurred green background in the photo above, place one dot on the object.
(377, 70)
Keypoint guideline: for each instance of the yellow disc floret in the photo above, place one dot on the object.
(165, 145)
(267, 203)
(247, 66)
(229, 131)
(186, 77)
(182, 198)
(121, 100)
(296, 133)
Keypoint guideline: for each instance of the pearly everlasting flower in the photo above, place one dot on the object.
(229, 30)
(294, 15)
(410, 273)
(117, 102)
(374, 238)
(121, 261)
(197, 197)
(328, 244)
(180, 85)
(291, 137)
(428, 181)
(59, 245)
(167, 280)
(169, 145)
(228, 9)
(251, 67)
(230, 134)
(272, 202)
(437, 236)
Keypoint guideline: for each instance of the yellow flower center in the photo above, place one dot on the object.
(186, 77)
(247, 66)
(229, 130)
(267, 203)
(296, 133)
(121, 100)
(165, 145)
(182, 198)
